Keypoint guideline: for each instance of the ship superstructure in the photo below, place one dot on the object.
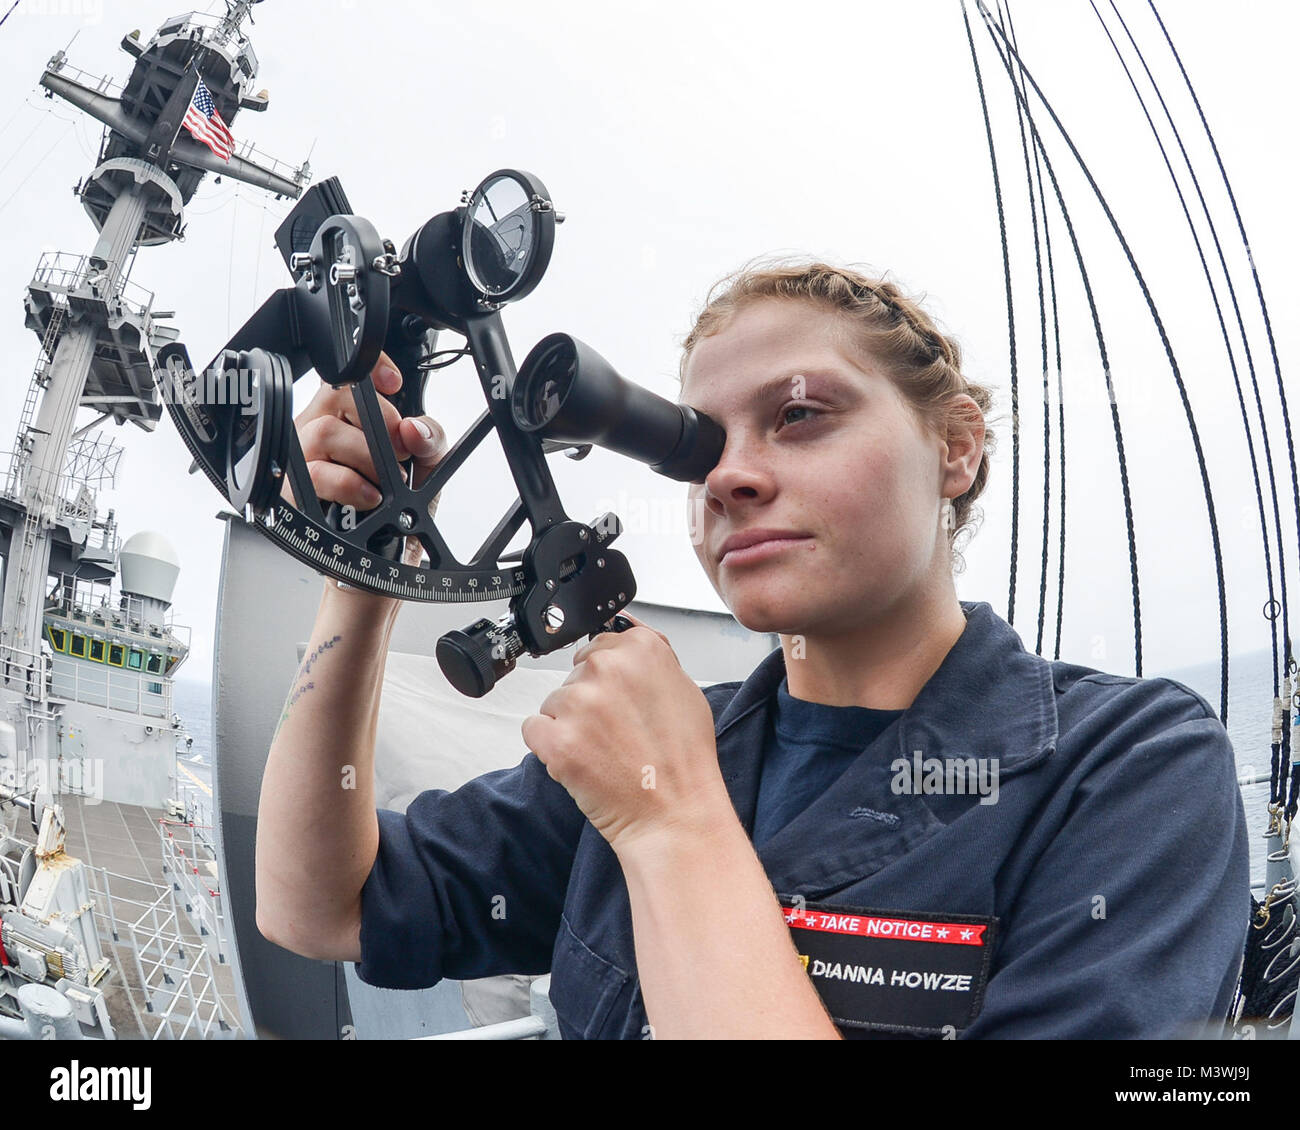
(86, 718)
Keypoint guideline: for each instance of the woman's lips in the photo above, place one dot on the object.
(760, 551)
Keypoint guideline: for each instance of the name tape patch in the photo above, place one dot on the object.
(894, 971)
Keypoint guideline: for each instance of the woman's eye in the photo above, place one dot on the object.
(785, 412)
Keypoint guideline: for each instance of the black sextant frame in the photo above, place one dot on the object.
(354, 296)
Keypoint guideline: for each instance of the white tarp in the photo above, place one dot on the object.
(430, 736)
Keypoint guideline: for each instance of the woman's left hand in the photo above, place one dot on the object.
(631, 737)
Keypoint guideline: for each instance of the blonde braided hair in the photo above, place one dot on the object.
(889, 327)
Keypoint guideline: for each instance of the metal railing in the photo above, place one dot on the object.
(539, 1024)
(95, 685)
(175, 635)
(219, 27)
(249, 152)
(175, 977)
(101, 84)
(67, 272)
(521, 1028)
(88, 601)
(28, 670)
(186, 852)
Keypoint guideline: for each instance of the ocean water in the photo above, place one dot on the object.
(192, 700)
(1250, 725)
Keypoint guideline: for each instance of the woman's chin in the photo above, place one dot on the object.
(771, 614)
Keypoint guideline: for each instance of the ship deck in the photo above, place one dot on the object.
(125, 841)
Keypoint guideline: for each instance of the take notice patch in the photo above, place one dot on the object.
(892, 970)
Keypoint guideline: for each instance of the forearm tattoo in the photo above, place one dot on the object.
(300, 688)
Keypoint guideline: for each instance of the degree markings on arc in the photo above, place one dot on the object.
(291, 538)
(282, 530)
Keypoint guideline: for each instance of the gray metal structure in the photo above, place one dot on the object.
(88, 740)
(98, 332)
(268, 604)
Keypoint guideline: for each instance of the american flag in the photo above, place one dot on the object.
(203, 121)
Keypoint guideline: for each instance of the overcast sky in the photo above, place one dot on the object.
(682, 139)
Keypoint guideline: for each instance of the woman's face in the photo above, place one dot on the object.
(820, 444)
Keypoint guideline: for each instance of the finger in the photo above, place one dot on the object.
(525, 728)
(553, 705)
(386, 375)
(602, 640)
(334, 483)
(425, 439)
(387, 379)
(392, 421)
(342, 404)
(413, 553)
(642, 624)
(539, 735)
(332, 440)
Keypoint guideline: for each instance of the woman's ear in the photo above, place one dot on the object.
(965, 445)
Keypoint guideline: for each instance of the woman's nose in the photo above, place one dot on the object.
(737, 478)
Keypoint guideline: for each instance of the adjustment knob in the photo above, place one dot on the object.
(474, 659)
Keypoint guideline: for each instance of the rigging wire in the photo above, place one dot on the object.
(23, 105)
(1042, 333)
(10, 12)
(40, 108)
(230, 270)
(21, 145)
(225, 203)
(87, 148)
(1269, 981)
(257, 259)
(1277, 365)
(1011, 328)
(1102, 350)
(45, 157)
(71, 123)
(1060, 381)
(1272, 604)
(1006, 59)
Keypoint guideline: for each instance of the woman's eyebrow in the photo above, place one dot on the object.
(814, 380)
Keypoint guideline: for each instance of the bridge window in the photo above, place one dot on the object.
(154, 665)
(78, 646)
(135, 660)
(58, 637)
(97, 651)
(116, 653)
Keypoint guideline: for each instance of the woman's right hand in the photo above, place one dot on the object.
(338, 457)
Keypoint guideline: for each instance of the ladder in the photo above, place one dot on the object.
(39, 382)
(26, 549)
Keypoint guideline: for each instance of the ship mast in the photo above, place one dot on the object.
(99, 332)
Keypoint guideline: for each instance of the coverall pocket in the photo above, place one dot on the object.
(584, 986)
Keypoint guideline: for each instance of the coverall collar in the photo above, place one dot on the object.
(989, 698)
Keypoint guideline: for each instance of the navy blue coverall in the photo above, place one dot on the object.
(1114, 860)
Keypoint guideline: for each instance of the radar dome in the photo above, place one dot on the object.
(148, 566)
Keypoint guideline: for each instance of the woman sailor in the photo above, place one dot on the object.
(900, 823)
